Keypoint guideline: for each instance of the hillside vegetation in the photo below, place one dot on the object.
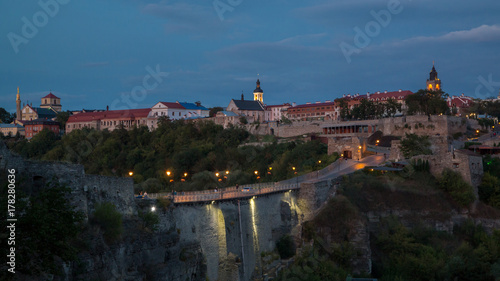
(191, 152)
(399, 213)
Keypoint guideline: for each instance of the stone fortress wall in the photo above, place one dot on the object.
(86, 190)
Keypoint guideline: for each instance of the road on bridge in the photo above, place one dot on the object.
(350, 166)
(342, 168)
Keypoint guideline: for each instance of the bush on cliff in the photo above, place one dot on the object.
(150, 220)
(109, 219)
(47, 229)
(413, 145)
(286, 247)
(453, 183)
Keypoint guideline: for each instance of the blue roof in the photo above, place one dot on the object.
(10, 126)
(45, 112)
(192, 106)
(229, 113)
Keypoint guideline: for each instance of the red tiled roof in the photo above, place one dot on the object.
(460, 102)
(50, 96)
(278, 105)
(314, 104)
(111, 114)
(172, 105)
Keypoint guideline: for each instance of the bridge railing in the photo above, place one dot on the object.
(234, 192)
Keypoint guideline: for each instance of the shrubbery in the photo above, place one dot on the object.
(150, 220)
(452, 183)
(413, 145)
(47, 229)
(198, 150)
(286, 247)
(109, 219)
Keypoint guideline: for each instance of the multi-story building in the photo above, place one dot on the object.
(327, 110)
(11, 129)
(459, 103)
(32, 128)
(111, 119)
(276, 112)
(178, 110)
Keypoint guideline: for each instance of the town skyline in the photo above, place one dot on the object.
(78, 54)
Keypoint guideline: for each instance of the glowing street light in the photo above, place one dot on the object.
(153, 209)
(256, 172)
(319, 162)
(130, 173)
(185, 174)
(217, 174)
(270, 168)
(227, 172)
(293, 168)
(168, 173)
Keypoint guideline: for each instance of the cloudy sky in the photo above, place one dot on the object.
(133, 53)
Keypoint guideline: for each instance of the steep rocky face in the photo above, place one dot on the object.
(156, 256)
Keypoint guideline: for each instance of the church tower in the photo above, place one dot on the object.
(18, 106)
(258, 94)
(433, 83)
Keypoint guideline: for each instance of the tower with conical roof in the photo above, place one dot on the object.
(258, 94)
(433, 83)
(19, 115)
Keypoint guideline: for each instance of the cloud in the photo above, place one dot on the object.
(183, 18)
(483, 33)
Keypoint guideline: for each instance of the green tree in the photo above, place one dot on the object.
(489, 190)
(213, 111)
(47, 228)
(392, 107)
(344, 108)
(109, 219)
(427, 102)
(412, 145)
(453, 183)
(62, 118)
(5, 116)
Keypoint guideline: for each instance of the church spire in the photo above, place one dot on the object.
(258, 93)
(18, 106)
(433, 83)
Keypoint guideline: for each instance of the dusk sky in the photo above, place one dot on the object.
(97, 53)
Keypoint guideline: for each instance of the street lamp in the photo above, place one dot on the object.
(256, 172)
(130, 173)
(227, 172)
(217, 174)
(185, 174)
(168, 173)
